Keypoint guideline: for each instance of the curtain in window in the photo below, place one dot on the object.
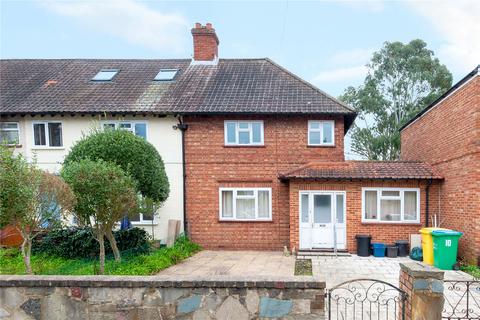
(390, 210)
(263, 204)
(370, 204)
(227, 204)
(245, 208)
(410, 205)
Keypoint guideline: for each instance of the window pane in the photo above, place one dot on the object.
(314, 138)
(8, 125)
(390, 193)
(126, 126)
(39, 134)
(147, 217)
(141, 130)
(340, 207)
(244, 137)
(370, 204)
(109, 126)
(256, 132)
(135, 217)
(263, 204)
(314, 125)
(9, 137)
(245, 193)
(327, 133)
(322, 209)
(55, 134)
(304, 207)
(243, 125)
(390, 210)
(410, 205)
(245, 208)
(227, 204)
(231, 129)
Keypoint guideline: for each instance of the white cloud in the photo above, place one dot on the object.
(369, 5)
(459, 24)
(354, 56)
(127, 19)
(341, 74)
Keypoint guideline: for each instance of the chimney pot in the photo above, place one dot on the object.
(205, 43)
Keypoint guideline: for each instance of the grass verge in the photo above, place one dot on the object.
(11, 262)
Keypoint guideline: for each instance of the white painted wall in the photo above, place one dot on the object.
(160, 133)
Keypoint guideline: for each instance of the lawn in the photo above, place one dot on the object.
(11, 262)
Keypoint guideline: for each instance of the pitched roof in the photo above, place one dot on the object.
(457, 85)
(375, 170)
(231, 86)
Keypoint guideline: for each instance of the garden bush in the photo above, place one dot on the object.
(76, 243)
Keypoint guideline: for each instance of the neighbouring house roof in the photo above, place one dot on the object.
(460, 83)
(375, 170)
(232, 86)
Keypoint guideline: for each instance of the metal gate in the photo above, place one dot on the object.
(462, 300)
(366, 299)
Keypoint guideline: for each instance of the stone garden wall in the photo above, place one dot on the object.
(104, 297)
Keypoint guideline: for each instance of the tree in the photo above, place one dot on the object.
(31, 200)
(402, 79)
(105, 193)
(135, 156)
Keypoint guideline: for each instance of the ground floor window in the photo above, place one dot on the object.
(138, 128)
(9, 133)
(245, 204)
(391, 204)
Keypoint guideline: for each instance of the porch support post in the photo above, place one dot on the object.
(424, 287)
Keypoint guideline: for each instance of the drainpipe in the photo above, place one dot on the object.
(183, 127)
(427, 196)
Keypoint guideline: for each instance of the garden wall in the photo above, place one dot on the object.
(107, 297)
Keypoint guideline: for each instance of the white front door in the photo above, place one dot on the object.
(322, 220)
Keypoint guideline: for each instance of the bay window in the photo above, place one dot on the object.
(391, 205)
(245, 204)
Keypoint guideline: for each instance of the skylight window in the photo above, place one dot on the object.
(105, 75)
(166, 74)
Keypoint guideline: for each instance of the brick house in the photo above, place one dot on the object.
(446, 134)
(254, 154)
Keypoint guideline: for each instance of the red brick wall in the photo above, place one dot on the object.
(210, 165)
(381, 232)
(448, 137)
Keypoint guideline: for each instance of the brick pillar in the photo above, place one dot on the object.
(424, 287)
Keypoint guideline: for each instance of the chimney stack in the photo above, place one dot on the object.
(205, 44)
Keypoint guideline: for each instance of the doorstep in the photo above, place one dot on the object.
(301, 254)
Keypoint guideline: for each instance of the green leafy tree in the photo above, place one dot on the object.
(105, 194)
(31, 200)
(136, 156)
(402, 79)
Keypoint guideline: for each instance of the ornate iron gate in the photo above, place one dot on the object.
(462, 300)
(366, 299)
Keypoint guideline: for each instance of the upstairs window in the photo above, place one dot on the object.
(321, 133)
(243, 133)
(166, 75)
(105, 75)
(245, 204)
(391, 205)
(47, 134)
(136, 127)
(9, 133)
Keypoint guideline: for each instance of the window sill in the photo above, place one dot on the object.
(12, 145)
(144, 223)
(47, 148)
(321, 146)
(243, 146)
(245, 220)
(413, 223)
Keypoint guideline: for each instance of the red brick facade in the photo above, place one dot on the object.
(448, 137)
(211, 165)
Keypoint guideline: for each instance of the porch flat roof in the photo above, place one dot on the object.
(373, 170)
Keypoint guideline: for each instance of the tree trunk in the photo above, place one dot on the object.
(101, 242)
(26, 252)
(113, 244)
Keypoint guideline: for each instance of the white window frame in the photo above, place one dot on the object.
(234, 190)
(8, 129)
(47, 137)
(132, 128)
(249, 129)
(143, 221)
(401, 197)
(320, 130)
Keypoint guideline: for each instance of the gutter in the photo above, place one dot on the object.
(183, 127)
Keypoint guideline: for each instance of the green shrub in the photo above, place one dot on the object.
(79, 243)
(133, 154)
